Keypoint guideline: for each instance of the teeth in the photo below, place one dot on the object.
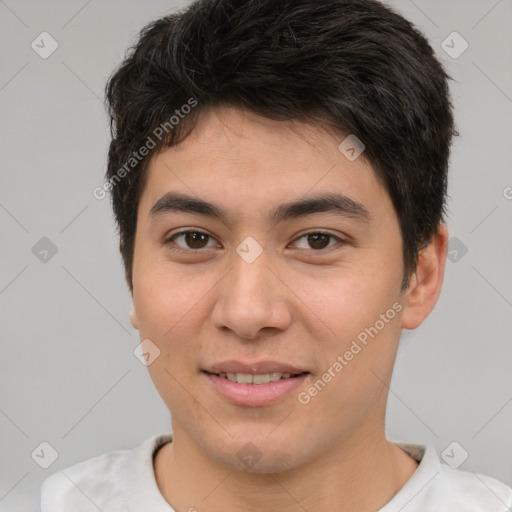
(261, 379)
(247, 378)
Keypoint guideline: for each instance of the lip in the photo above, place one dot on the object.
(253, 368)
(254, 395)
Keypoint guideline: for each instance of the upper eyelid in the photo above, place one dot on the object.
(318, 232)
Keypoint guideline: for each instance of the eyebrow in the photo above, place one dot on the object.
(338, 204)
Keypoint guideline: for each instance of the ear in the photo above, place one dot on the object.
(425, 284)
(133, 317)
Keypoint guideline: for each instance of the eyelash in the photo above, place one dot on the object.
(181, 249)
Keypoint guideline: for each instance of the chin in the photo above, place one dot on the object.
(259, 454)
(266, 464)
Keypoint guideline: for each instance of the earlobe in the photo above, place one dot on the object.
(133, 318)
(426, 283)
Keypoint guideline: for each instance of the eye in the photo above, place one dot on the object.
(196, 240)
(318, 240)
(192, 239)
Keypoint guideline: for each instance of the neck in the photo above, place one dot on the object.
(361, 473)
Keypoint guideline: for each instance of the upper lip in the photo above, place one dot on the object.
(253, 368)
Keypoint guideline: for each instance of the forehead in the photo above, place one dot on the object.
(249, 162)
(229, 128)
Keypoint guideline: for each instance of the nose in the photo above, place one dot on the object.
(252, 297)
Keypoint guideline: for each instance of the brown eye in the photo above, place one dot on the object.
(318, 240)
(193, 239)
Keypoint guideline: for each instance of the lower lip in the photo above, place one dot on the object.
(254, 395)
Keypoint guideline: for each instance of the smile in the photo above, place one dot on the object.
(256, 390)
(263, 378)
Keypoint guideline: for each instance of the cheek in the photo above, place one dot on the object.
(354, 298)
(357, 362)
(364, 318)
(162, 296)
(167, 310)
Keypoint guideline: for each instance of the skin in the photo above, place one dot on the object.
(291, 304)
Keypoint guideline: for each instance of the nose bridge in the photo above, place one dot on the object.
(251, 297)
(250, 278)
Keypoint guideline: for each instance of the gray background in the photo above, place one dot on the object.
(68, 375)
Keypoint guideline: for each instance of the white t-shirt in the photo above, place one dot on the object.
(124, 481)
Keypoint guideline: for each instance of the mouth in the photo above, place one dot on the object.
(263, 386)
(256, 379)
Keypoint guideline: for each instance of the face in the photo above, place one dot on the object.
(221, 289)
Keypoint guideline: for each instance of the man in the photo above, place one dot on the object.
(278, 172)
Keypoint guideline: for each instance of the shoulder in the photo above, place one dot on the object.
(467, 490)
(437, 487)
(105, 480)
(86, 485)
